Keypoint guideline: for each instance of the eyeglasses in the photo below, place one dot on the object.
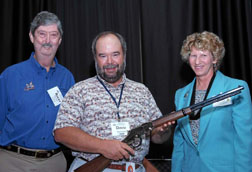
(52, 35)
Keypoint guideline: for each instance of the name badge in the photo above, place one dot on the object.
(225, 102)
(130, 167)
(56, 95)
(120, 128)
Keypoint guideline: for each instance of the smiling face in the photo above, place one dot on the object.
(110, 63)
(201, 62)
(46, 40)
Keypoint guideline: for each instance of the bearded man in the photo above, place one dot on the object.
(97, 113)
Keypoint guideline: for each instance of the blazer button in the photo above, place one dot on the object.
(198, 154)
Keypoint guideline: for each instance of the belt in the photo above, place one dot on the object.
(35, 153)
(120, 167)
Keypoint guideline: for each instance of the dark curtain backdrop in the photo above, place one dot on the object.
(154, 31)
(15, 20)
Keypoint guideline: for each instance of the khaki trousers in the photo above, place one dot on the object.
(14, 162)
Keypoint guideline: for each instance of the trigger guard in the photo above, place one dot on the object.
(137, 142)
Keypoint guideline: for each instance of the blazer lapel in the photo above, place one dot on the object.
(185, 121)
(206, 113)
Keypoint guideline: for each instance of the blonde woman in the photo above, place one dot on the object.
(217, 138)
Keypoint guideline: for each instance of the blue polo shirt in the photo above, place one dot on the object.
(27, 111)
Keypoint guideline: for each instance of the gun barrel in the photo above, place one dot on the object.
(173, 116)
(216, 98)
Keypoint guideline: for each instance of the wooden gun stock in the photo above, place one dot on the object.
(100, 163)
(96, 165)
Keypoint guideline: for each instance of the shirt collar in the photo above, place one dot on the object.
(38, 66)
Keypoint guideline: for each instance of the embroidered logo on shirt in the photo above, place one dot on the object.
(29, 86)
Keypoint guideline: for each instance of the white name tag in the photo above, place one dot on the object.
(225, 102)
(130, 167)
(55, 95)
(120, 128)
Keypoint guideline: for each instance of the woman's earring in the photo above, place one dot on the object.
(214, 65)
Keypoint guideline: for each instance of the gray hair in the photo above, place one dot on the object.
(121, 39)
(45, 18)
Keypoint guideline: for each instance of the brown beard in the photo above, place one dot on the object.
(110, 79)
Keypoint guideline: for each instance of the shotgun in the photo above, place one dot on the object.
(134, 139)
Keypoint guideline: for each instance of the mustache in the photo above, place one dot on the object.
(46, 45)
(110, 66)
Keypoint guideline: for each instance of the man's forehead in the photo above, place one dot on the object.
(49, 28)
(109, 38)
(109, 42)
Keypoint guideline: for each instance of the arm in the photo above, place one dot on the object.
(68, 132)
(148, 166)
(177, 154)
(178, 141)
(76, 139)
(161, 134)
(3, 101)
(242, 120)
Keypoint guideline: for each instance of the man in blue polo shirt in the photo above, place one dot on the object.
(31, 92)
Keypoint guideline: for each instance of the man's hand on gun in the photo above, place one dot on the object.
(116, 150)
(165, 126)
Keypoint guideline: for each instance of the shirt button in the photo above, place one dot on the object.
(43, 138)
(46, 77)
(47, 106)
(47, 122)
